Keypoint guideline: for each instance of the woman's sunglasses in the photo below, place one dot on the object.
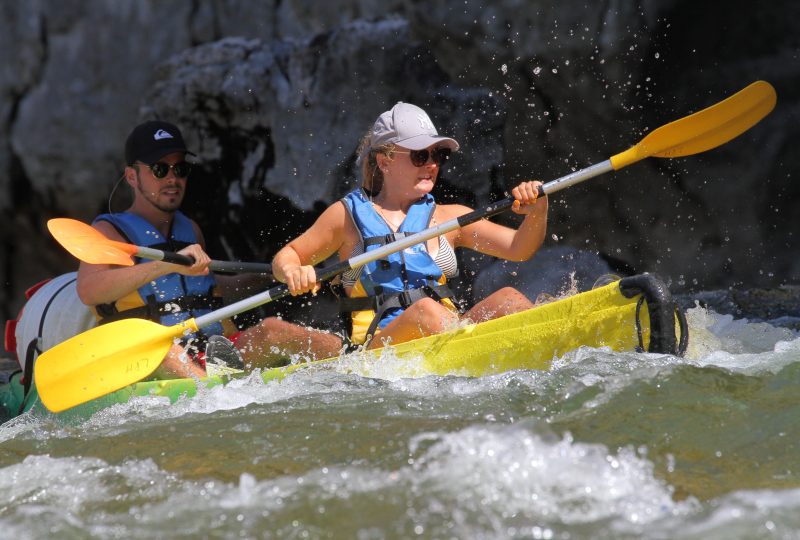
(161, 170)
(420, 157)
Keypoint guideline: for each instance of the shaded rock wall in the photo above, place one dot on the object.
(274, 97)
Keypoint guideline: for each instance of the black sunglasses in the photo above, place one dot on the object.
(420, 157)
(161, 170)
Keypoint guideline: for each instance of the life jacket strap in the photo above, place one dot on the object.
(402, 299)
(383, 302)
(153, 309)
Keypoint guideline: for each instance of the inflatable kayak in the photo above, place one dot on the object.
(636, 313)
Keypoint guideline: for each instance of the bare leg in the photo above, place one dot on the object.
(177, 364)
(503, 302)
(423, 318)
(273, 340)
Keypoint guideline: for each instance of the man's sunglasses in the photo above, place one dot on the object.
(420, 157)
(161, 170)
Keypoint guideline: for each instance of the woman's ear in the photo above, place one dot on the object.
(382, 160)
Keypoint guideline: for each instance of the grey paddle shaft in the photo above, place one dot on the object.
(398, 245)
(577, 177)
(216, 266)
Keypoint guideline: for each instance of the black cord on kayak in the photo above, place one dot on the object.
(640, 347)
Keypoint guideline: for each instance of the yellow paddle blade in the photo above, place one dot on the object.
(88, 244)
(103, 360)
(705, 129)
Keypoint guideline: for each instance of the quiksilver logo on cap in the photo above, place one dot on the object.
(161, 134)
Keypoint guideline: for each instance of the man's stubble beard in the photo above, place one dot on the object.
(152, 198)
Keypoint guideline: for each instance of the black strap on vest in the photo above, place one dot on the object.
(382, 302)
(154, 310)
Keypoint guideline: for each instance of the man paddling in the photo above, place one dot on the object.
(157, 172)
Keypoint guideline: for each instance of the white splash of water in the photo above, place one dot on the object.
(749, 347)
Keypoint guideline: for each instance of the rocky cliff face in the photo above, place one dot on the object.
(275, 96)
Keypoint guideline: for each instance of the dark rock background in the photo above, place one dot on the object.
(274, 96)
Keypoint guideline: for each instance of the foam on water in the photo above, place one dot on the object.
(522, 469)
(477, 482)
(738, 344)
(744, 514)
(22, 425)
(57, 496)
(387, 366)
(236, 394)
(485, 481)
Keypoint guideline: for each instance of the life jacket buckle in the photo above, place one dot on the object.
(405, 299)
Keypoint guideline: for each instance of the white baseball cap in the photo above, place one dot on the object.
(408, 126)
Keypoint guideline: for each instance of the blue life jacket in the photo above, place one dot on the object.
(171, 298)
(386, 287)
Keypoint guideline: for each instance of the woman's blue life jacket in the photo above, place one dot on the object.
(386, 287)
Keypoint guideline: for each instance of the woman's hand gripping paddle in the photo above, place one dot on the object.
(89, 245)
(115, 355)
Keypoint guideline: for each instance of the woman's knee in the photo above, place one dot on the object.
(510, 292)
(505, 301)
(513, 297)
(433, 315)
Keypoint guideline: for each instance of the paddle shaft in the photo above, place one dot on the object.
(216, 266)
(373, 255)
(360, 260)
(324, 274)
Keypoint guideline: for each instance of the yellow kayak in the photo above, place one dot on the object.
(609, 316)
(633, 314)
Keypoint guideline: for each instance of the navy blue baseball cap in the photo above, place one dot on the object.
(150, 141)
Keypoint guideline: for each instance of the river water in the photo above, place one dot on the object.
(603, 445)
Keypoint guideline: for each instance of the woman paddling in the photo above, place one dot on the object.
(404, 296)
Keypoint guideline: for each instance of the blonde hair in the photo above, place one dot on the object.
(371, 174)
